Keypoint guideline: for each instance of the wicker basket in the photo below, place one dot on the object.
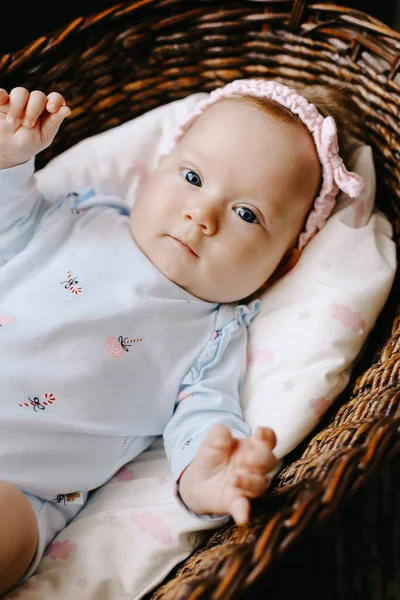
(135, 56)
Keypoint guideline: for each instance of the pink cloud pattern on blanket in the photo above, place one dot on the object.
(61, 549)
(154, 525)
(319, 405)
(261, 357)
(348, 318)
(125, 474)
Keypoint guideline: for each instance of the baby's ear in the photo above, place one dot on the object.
(288, 261)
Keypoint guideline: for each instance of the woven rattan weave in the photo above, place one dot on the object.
(118, 64)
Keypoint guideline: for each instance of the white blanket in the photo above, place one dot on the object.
(302, 349)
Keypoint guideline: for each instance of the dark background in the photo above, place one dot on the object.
(23, 22)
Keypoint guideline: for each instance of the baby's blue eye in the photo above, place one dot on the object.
(246, 214)
(192, 177)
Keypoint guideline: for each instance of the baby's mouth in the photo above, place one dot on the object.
(185, 246)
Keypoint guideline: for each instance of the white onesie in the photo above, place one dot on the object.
(100, 352)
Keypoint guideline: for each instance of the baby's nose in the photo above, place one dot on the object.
(205, 217)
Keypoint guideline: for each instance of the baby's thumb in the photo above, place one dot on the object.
(51, 123)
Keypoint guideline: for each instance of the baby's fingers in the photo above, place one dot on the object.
(18, 99)
(266, 435)
(258, 458)
(54, 102)
(252, 484)
(51, 123)
(34, 108)
(37, 104)
(4, 97)
(240, 510)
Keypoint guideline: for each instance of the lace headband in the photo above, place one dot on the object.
(335, 176)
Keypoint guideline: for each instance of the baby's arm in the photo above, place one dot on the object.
(21, 205)
(218, 464)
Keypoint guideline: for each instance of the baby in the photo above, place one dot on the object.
(116, 327)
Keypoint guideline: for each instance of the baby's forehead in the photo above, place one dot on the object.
(239, 108)
(233, 132)
(238, 122)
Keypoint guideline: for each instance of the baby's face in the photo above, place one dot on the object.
(224, 206)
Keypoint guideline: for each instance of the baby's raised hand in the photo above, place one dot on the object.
(29, 122)
(227, 472)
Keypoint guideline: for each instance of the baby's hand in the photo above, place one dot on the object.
(28, 123)
(227, 472)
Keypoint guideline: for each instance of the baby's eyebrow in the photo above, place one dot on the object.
(194, 155)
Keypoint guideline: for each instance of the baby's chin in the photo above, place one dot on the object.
(191, 280)
(202, 290)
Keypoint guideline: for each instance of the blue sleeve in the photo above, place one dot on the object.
(209, 393)
(21, 208)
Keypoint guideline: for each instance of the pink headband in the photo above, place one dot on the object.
(334, 174)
